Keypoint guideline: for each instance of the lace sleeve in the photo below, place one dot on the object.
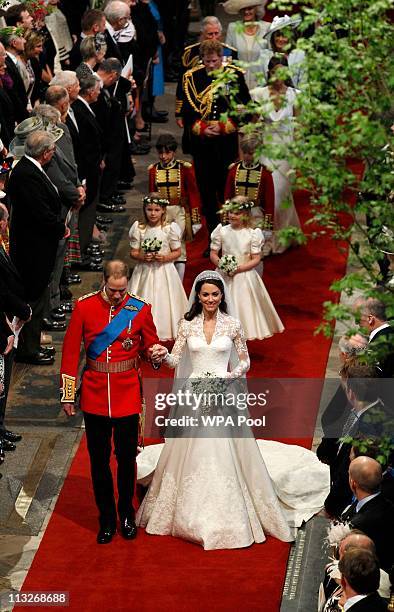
(242, 352)
(172, 359)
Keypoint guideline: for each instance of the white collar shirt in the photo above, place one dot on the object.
(375, 331)
(353, 600)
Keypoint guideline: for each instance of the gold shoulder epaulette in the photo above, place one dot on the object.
(236, 68)
(232, 165)
(151, 166)
(191, 46)
(137, 297)
(185, 163)
(191, 70)
(88, 295)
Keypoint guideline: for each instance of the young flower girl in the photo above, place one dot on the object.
(240, 248)
(156, 245)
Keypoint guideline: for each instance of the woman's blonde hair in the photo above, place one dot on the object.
(154, 197)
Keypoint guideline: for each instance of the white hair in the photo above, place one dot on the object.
(210, 20)
(64, 78)
(116, 10)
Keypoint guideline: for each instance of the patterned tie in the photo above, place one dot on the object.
(349, 423)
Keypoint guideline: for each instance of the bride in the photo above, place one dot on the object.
(212, 491)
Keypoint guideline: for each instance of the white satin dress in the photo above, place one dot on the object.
(215, 492)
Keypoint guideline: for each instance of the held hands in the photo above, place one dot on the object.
(69, 409)
(212, 130)
(157, 352)
(160, 257)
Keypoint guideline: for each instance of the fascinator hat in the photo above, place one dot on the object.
(233, 7)
(26, 127)
(279, 23)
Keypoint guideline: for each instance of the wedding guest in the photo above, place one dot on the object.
(57, 26)
(19, 16)
(248, 35)
(93, 24)
(14, 45)
(92, 54)
(360, 582)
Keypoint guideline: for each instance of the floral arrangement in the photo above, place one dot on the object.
(234, 206)
(39, 9)
(228, 264)
(151, 245)
(154, 200)
(208, 384)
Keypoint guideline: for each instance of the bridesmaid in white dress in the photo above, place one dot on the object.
(251, 301)
(277, 102)
(212, 491)
(154, 276)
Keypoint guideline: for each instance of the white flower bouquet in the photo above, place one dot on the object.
(228, 263)
(151, 245)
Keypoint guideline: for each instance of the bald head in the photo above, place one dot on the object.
(356, 539)
(365, 476)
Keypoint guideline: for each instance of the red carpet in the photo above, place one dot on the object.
(164, 572)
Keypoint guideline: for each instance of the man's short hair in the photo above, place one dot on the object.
(166, 142)
(64, 78)
(249, 143)
(88, 83)
(361, 570)
(359, 378)
(376, 308)
(54, 94)
(111, 64)
(37, 143)
(115, 268)
(210, 20)
(13, 14)
(91, 18)
(8, 36)
(116, 10)
(210, 47)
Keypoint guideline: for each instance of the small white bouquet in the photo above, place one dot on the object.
(228, 263)
(151, 245)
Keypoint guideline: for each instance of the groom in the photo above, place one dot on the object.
(117, 329)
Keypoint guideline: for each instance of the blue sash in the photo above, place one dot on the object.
(114, 328)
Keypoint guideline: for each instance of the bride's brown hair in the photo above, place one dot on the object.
(196, 308)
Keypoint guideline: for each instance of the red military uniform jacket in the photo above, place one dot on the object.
(255, 183)
(107, 394)
(177, 183)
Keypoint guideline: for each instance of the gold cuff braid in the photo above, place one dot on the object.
(68, 389)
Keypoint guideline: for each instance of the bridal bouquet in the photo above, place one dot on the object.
(151, 245)
(228, 264)
(209, 383)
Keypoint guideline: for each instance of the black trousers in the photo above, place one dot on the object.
(212, 157)
(87, 213)
(8, 362)
(99, 433)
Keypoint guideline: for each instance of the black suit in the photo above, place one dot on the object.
(35, 230)
(91, 154)
(18, 93)
(11, 302)
(375, 519)
(371, 603)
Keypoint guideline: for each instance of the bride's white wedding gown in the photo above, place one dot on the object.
(213, 491)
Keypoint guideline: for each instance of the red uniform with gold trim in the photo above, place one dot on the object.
(177, 183)
(255, 182)
(107, 394)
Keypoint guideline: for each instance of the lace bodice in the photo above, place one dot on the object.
(215, 356)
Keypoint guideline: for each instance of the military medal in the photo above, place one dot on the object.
(127, 344)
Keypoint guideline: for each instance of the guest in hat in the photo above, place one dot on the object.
(281, 42)
(247, 35)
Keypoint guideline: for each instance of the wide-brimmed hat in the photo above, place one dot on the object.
(26, 127)
(278, 23)
(232, 7)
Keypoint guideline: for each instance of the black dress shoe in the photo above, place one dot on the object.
(11, 436)
(7, 445)
(107, 207)
(49, 325)
(102, 219)
(57, 314)
(139, 149)
(101, 227)
(155, 118)
(48, 350)
(73, 279)
(67, 306)
(2, 458)
(105, 534)
(36, 359)
(95, 250)
(118, 200)
(162, 113)
(128, 528)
